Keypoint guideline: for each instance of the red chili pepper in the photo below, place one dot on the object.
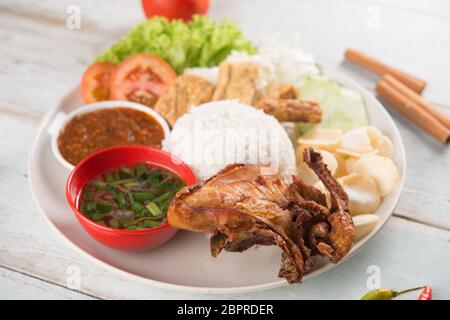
(426, 294)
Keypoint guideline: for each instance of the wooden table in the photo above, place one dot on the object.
(41, 59)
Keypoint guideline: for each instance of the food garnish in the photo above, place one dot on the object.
(362, 193)
(386, 294)
(276, 65)
(141, 78)
(359, 158)
(187, 91)
(284, 105)
(327, 139)
(174, 9)
(380, 68)
(427, 294)
(414, 107)
(237, 81)
(198, 43)
(96, 130)
(131, 198)
(381, 169)
(402, 91)
(95, 84)
(342, 108)
(244, 208)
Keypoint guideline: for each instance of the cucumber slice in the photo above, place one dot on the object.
(319, 88)
(345, 110)
(342, 108)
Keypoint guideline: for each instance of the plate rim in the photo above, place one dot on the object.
(225, 290)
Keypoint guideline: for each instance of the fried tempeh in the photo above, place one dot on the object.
(237, 81)
(185, 92)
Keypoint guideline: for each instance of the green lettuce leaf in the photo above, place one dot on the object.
(198, 43)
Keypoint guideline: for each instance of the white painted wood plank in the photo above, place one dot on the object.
(17, 286)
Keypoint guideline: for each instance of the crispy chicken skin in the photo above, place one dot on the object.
(284, 105)
(185, 92)
(237, 81)
(241, 208)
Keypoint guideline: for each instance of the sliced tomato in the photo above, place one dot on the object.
(174, 9)
(95, 83)
(141, 78)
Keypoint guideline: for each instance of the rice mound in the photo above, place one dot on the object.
(218, 133)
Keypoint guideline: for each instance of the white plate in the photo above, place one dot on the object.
(184, 263)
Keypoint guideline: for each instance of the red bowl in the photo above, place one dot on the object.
(112, 158)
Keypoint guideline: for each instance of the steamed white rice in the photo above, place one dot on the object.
(215, 134)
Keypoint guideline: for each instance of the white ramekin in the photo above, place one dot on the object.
(61, 121)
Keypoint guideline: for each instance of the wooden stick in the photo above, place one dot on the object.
(416, 98)
(380, 68)
(412, 111)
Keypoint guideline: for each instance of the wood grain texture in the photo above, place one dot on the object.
(15, 285)
(406, 253)
(42, 59)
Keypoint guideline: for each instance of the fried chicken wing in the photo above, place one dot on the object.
(242, 208)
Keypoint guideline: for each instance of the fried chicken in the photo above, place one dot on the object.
(242, 208)
(284, 105)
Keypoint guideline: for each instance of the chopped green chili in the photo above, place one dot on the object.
(141, 196)
(104, 207)
(100, 185)
(140, 169)
(121, 200)
(165, 196)
(110, 177)
(137, 207)
(133, 197)
(154, 209)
